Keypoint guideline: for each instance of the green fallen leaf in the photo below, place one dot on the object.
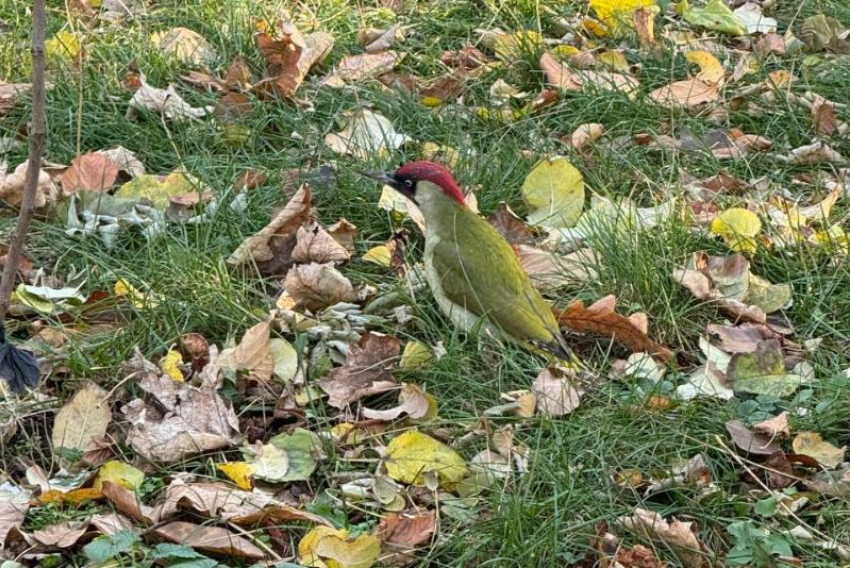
(715, 16)
(554, 192)
(763, 371)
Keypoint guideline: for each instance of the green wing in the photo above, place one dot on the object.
(470, 273)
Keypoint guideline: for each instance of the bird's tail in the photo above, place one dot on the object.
(558, 350)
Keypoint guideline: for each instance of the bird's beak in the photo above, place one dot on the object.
(383, 177)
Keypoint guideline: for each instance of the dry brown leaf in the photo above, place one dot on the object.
(612, 553)
(13, 511)
(180, 419)
(374, 40)
(314, 286)
(92, 171)
(468, 57)
(556, 395)
(58, 535)
(282, 60)
(366, 370)
(412, 401)
(824, 118)
(550, 270)
(586, 135)
(774, 426)
(406, 531)
(238, 76)
(314, 244)
(514, 229)
(689, 93)
(644, 21)
(111, 523)
(344, 232)
(209, 538)
(677, 535)
(560, 75)
(749, 441)
(12, 186)
(127, 502)
(816, 153)
(83, 419)
(355, 68)
(742, 338)
(166, 102)
(770, 43)
(271, 248)
(253, 354)
(601, 319)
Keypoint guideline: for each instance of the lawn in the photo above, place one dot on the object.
(588, 470)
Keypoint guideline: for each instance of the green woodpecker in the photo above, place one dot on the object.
(471, 269)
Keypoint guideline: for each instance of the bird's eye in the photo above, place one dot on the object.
(408, 183)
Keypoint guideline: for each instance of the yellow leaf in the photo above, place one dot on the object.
(446, 154)
(64, 46)
(379, 255)
(554, 192)
(617, 14)
(813, 445)
(416, 355)
(413, 454)
(711, 70)
(613, 61)
(136, 297)
(595, 27)
(238, 472)
(120, 473)
(738, 227)
(324, 547)
(170, 365)
(158, 191)
(513, 46)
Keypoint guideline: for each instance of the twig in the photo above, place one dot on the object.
(37, 141)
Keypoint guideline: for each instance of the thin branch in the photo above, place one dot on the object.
(37, 139)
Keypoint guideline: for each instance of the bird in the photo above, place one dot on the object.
(472, 271)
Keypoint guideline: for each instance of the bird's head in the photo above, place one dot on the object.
(422, 182)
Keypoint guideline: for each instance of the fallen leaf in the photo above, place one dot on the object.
(366, 135)
(186, 45)
(126, 161)
(366, 370)
(763, 371)
(286, 457)
(689, 93)
(560, 75)
(711, 70)
(774, 426)
(617, 14)
(317, 286)
(213, 539)
(325, 547)
(253, 354)
(601, 319)
(821, 32)
(406, 531)
(514, 229)
(715, 15)
(165, 102)
(271, 248)
(59, 535)
(556, 395)
(412, 401)
(468, 57)
(120, 473)
(344, 232)
(644, 24)
(739, 228)
(83, 419)
(709, 379)
(816, 153)
(677, 535)
(14, 505)
(241, 473)
(170, 365)
(755, 22)
(412, 455)
(314, 244)
(554, 192)
(129, 503)
(91, 171)
(290, 58)
(12, 186)
(742, 338)
(586, 135)
(550, 270)
(356, 68)
(824, 118)
(195, 419)
(65, 46)
(374, 40)
(813, 445)
(751, 442)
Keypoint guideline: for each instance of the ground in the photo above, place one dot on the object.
(547, 516)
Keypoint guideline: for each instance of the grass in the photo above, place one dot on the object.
(546, 517)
